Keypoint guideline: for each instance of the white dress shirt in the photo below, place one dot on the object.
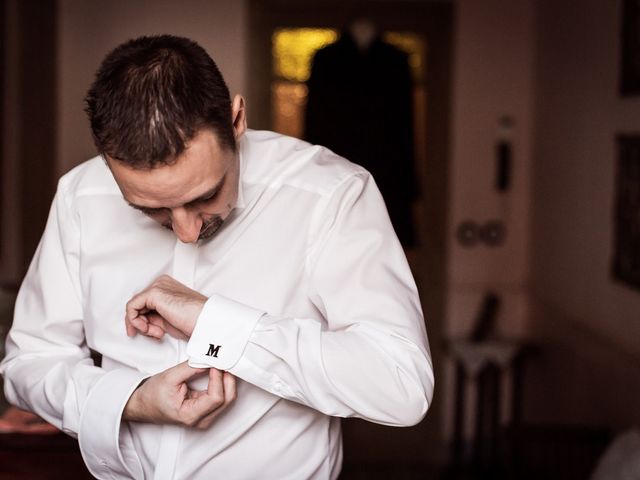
(311, 306)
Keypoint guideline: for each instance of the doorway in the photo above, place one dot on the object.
(276, 102)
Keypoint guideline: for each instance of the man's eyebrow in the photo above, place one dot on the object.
(143, 208)
(209, 194)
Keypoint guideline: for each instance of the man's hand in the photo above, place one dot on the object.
(165, 306)
(166, 398)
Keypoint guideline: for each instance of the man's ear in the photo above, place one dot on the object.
(238, 116)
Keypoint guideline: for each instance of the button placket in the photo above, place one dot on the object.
(185, 256)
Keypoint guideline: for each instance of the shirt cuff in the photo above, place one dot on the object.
(221, 333)
(99, 435)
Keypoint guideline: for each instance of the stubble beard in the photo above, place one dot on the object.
(208, 229)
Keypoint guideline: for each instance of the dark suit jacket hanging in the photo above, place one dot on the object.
(360, 106)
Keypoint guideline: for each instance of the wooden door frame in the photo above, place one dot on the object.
(28, 146)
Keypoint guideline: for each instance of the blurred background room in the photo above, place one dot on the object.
(505, 137)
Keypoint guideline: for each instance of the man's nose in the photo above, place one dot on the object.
(186, 224)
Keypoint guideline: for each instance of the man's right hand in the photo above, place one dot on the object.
(166, 398)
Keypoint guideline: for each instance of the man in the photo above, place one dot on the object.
(275, 299)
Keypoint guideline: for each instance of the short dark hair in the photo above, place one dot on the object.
(151, 95)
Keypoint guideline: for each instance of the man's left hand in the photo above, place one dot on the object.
(166, 306)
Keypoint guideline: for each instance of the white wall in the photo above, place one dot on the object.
(594, 321)
(89, 29)
(579, 113)
(493, 77)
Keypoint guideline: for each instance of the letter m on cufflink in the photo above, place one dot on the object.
(213, 350)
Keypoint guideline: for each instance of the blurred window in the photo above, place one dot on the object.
(292, 55)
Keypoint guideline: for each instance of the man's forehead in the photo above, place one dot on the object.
(199, 169)
(169, 203)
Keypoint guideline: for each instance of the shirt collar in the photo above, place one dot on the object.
(240, 202)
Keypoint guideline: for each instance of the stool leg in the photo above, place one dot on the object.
(457, 453)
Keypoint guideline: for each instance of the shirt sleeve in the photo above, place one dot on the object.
(370, 357)
(47, 368)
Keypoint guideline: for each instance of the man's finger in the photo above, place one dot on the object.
(157, 325)
(131, 330)
(175, 333)
(139, 303)
(158, 320)
(181, 373)
(207, 420)
(212, 399)
(217, 393)
(154, 331)
(230, 394)
(199, 405)
(216, 385)
(137, 324)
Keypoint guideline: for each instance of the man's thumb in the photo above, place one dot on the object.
(183, 372)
